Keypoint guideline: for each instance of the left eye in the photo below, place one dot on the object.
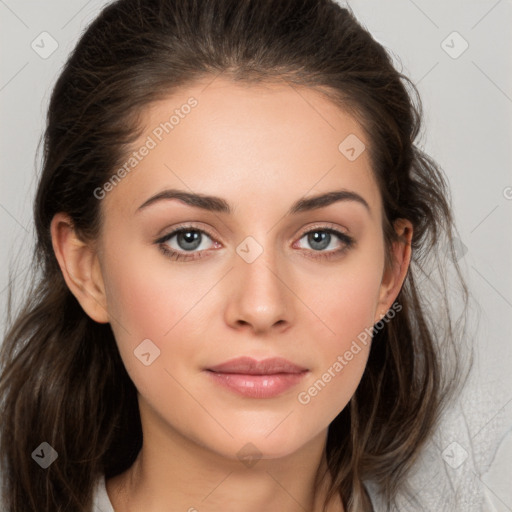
(320, 239)
(187, 239)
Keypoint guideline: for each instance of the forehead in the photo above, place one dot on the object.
(263, 142)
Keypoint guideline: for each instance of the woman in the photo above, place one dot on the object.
(232, 221)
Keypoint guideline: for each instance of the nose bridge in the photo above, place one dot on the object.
(260, 296)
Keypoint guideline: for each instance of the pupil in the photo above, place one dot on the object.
(189, 238)
(320, 237)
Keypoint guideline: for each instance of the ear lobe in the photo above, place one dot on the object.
(394, 277)
(80, 268)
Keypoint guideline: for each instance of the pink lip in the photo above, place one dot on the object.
(250, 366)
(257, 379)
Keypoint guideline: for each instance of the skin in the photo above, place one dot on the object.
(261, 148)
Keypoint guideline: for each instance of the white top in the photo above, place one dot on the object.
(101, 501)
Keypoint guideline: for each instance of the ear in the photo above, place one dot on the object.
(80, 267)
(394, 276)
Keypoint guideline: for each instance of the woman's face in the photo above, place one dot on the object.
(249, 280)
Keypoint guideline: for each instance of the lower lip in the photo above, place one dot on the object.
(257, 386)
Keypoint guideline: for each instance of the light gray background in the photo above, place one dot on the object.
(468, 105)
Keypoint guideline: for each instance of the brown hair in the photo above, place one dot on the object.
(62, 379)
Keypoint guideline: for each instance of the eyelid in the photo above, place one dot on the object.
(323, 226)
(184, 227)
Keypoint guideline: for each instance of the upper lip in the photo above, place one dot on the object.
(250, 366)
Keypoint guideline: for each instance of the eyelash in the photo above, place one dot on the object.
(178, 256)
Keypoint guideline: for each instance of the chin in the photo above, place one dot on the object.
(251, 444)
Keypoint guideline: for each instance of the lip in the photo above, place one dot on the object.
(250, 366)
(257, 379)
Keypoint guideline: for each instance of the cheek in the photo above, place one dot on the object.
(341, 359)
(330, 389)
(353, 302)
(346, 309)
(147, 300)
(346, 298)
(148, 295)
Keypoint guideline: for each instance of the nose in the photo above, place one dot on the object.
(259, 296)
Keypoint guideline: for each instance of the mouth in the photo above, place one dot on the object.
(257, 379)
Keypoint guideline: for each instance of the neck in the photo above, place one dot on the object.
(172, 470)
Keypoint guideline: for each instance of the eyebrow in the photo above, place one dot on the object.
(217, 204)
